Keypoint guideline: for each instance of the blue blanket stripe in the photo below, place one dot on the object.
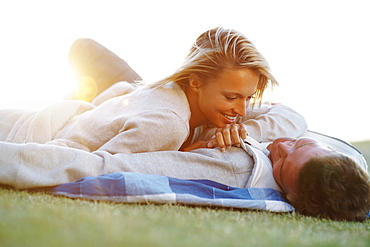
(137, 187)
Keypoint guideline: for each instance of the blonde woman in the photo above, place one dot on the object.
(221, 75)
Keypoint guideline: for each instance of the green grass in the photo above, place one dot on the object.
(38, 219)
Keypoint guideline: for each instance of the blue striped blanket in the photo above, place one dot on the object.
(129, 187)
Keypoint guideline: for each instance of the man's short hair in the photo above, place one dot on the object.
(333, 187)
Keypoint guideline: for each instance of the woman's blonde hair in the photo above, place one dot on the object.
(218, 49)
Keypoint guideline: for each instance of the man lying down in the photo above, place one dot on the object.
(315, 179)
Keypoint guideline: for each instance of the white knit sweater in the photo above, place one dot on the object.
(142, 121)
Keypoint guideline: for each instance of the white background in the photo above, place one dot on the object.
(318, 50)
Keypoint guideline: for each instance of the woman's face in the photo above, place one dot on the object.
(288, 156)
(223, 99)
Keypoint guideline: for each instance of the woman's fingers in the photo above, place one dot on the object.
(236, 134)
(228, 136)
(220, 139)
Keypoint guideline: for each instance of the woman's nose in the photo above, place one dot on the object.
(241, 107)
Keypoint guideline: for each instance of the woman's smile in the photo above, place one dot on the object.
(230, 119)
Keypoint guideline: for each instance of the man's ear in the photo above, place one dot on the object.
(194, 82)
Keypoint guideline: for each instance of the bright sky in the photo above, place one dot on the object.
(318, 50)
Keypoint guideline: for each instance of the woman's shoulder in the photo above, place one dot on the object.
(171, 88)
(169, 96)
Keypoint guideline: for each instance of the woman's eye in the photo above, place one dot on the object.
(230, 98)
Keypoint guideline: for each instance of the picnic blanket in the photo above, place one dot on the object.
(130, 187)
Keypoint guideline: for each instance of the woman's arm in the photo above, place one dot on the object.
(147, 132)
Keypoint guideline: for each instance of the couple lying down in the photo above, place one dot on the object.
(316, 179)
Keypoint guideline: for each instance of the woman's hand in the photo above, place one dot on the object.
(228, 136)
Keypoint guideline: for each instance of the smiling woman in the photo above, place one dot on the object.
(222, 63)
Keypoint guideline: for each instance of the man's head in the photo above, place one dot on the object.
(319, 181)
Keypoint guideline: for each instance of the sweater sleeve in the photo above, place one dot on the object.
(265, 123)
(149, 131)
